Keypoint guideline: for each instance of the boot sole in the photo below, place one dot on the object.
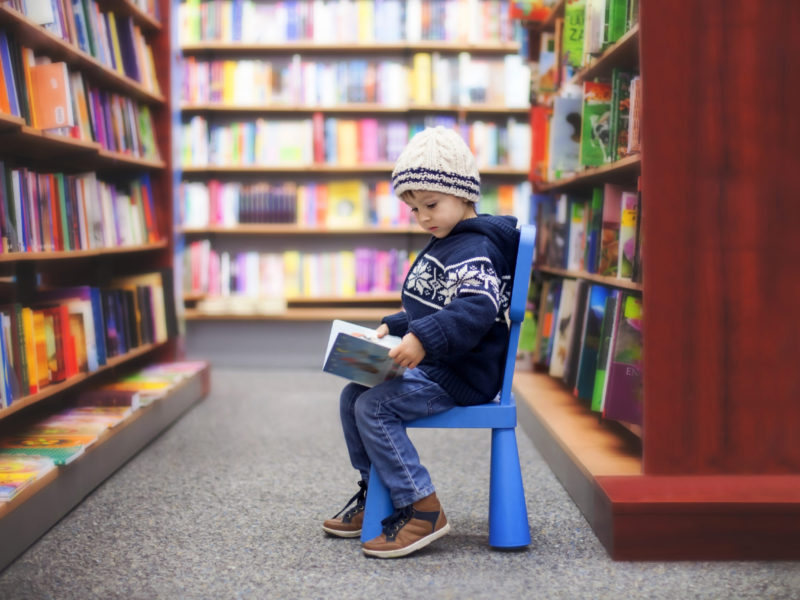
(420, 543)
(342, 534)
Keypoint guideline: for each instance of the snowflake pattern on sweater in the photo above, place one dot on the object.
(436, 285)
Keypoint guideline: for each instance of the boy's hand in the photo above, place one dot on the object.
(408, 353)
(382, 330)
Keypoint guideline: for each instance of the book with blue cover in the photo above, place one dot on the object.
(356, 353)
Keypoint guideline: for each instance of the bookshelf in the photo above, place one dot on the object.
(716, 472)
(62, 258)
(317, 38)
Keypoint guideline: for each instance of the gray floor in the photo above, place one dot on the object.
(228, 504)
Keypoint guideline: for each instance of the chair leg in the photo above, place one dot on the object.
(378, 507)
(508, 515)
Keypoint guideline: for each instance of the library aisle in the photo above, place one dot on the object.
(228, 504)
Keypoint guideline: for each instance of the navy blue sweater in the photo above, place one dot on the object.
(454, 300)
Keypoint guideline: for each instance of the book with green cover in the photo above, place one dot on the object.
(606, 333)
(595, 123)
(572, 41)
(590, 350)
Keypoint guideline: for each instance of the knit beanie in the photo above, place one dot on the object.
(437, 159)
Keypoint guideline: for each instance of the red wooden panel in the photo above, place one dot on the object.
(699, 517)
(721, 211)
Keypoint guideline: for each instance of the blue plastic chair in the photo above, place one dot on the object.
(508, 515)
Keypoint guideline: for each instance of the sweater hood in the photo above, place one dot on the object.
(501, 230)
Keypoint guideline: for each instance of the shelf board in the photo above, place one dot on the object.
(451, 47)
(624, 170)
(293, 229)
(639, 516)
(295, 314)
(365, 108)
(147, 22)
(623, 54)
(12, 257)
(614, 282)
(28, 142)
(29, 515)
(33, 36)
(364, 298)
(56, 388)
(317, 169)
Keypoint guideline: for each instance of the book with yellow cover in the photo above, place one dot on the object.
(345, 204)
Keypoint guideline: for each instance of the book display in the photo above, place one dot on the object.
(664, 390)
(292, 115)
(87, 288)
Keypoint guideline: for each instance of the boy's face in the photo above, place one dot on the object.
(438, 213)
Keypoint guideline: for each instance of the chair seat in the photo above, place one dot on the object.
(492, 415)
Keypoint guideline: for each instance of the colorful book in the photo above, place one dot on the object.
(563, 327)
(574, 22)
(565, 138)
(627, 235)
(591, 338)
(17, 472)
(608, 259)
(575, 341)
(62, 449)
(52, 100)
(346, 204)
(624, 392)
(595, 147)
(355, 353)
(606, 335)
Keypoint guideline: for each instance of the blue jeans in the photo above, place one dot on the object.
(372, 420)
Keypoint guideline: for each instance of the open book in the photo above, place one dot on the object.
(356, 353)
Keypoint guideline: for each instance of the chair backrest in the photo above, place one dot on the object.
(519, 300)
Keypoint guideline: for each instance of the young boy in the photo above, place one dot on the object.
(454, 336)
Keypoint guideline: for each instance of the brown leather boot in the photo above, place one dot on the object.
(408, 529)
(348, 525)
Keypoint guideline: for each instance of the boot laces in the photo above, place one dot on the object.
(359, 498)
(395, 521)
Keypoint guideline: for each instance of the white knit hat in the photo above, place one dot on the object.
(437, 159)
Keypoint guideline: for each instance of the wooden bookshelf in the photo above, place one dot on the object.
(623, 170)
(322, 314)
(325, 169)
(624, 54)
(292, 229)
(614, 282)
(718, 476)
(42, 41)
(25, 274)
(371, 108)
(220, 48)
(37, 508)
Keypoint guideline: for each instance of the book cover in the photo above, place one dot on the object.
(565, 138)
(575, 341)
(52, 101)
(63, 450)
(345, 204)
(594, 231)
(620, 113)
(627, 235)
(551, 293)
(592, 331)
(624, 393)
(574, 21)
(563, 327)
(595, 145)
(355, 353)
(606, 333)
(608, 259)
(578, 217)
(18, 472)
